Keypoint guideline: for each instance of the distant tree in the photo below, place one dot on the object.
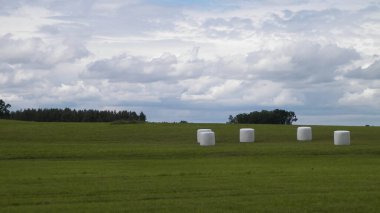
(4, 109)
(231, 119)
(142, 117)
(277, 116)
(133, 116)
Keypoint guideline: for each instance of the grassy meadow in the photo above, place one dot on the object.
(103, 167)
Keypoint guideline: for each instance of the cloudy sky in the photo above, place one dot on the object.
(198, 61)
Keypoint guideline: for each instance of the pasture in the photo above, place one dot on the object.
(103, 167)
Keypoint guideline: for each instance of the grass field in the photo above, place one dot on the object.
(100, 167)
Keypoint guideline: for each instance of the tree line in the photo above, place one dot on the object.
(277, 116)
(68, 115)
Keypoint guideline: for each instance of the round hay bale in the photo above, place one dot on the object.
(247, 135)
(304, 133)
(342, 137)
(202, 130)
(207, 138)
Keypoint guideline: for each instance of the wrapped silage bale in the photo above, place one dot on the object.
(342, 137)
(247, 135)
(304, 133)
(202, 130)
(207, 138)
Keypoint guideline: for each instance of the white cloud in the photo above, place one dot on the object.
(269, 93)
(132, 68)
(309, 62)
(216, 93)
(36, 53)
(234, 27)
(238, 92)
(191, 58)
(369, 97)
(14, 77)
(286, 97)
(24, 20)
(78, 91)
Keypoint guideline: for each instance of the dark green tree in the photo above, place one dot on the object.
(142, 117)
(277, 116)
(4, 109)
(231, 119)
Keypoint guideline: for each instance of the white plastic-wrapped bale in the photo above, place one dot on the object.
(207, 138)
(342, 137)
(247, 135)
(202, 130)
(304, 133)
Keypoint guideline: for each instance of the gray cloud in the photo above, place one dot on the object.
(311, 20)
(166, 67)
(35, 53)
(372, 72)
(133, 69)
(232, 27)
(6, 73)
(8, 6)
(71, 31)
(301, 61)
(118, 18)
(322, 22)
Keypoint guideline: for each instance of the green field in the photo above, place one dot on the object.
(103, 167)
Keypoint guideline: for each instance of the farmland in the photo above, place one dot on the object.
(103, 167)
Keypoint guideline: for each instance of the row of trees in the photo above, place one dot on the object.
(277, 116)
(68, 115)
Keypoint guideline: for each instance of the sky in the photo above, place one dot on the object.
(198, 61)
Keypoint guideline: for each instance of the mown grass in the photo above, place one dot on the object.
(100, 167)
